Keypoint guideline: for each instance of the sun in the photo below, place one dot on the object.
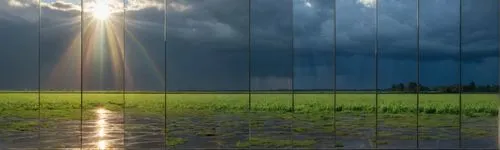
(101, 10)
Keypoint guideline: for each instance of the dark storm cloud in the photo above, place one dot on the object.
(439, 29)
(208, 41)
(207, 46)
(148, 31)
(63, 5)
(18, 61)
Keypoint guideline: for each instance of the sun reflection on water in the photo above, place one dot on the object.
(101, 111)
(101, 133)
(101, 123)
(101, 144)
(101, 128)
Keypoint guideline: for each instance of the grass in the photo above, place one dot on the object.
(482, 104)
(174, 141)
(67, 106)
(339, 144)
(299, 129)
(274, 143)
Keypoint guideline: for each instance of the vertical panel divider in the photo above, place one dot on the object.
(81, 70)
(418, 73)
(123, 75)
(249, 110)
(293, 74)
(39, 72)
(335, 72)
(498, 82)
(165, 72)
(376, 72)
(460, 78)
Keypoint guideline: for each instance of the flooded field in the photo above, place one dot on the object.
(255, 130)
(224, 121)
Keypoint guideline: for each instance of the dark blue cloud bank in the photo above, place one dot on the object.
(232, 45)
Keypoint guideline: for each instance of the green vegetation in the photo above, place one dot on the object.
(67, 106)
(299, 129)
(382, 142)
(174, 141)
(471, 87)
(274, 143)
(339, 144)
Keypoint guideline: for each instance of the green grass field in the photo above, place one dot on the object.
(60, 105)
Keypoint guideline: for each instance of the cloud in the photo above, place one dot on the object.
(56, 5)
(61, 6)
(368, 3)
(22, 3)
(178, 6)
(439, 30)
(17, 3)
(142, 4)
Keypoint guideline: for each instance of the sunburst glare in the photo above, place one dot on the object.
(97, 54)
(101, 10)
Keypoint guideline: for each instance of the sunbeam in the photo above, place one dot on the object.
(103, 45)
(100, 46)
(72, 23)
(145, 53)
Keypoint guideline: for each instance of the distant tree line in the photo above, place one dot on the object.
(470, 87)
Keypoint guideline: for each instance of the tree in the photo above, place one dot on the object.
(401, 87)
(471, 87)
(412, 86)
(424, 88)
(394, 87)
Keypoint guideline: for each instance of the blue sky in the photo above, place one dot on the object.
(208, 44)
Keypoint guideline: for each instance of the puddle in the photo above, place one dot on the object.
(236, 131)
(3, 146)
(104, 133)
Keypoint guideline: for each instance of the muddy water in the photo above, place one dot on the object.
(108, 131)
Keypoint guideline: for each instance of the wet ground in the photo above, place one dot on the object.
(256, 130)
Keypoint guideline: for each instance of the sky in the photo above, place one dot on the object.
(242, 44)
